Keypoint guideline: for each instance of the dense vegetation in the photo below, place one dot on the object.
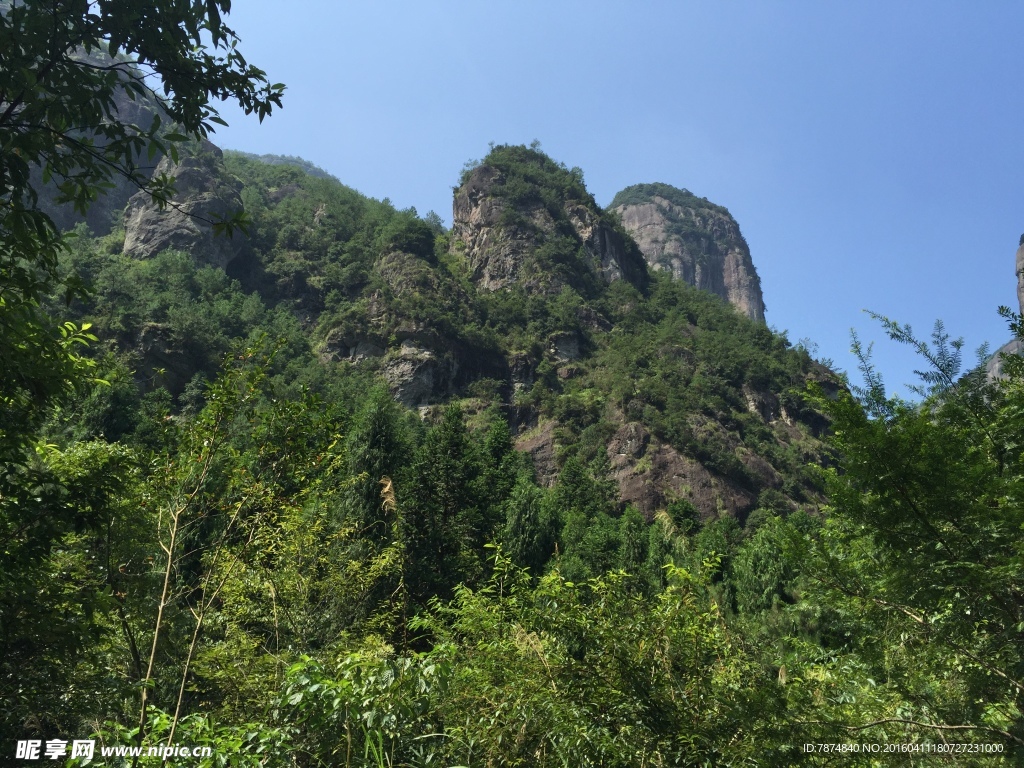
(295, 568)
(684, 198)
(220, 528)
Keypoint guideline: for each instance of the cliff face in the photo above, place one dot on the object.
(204, 193)
(533, 224)
(664, 382)
(1019, 261)
(696, 241)
(105, 212)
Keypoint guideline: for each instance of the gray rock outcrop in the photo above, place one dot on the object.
(650, 473)
(204, 193)
(994, 367)
(106, 210)
(418, 374)
(535, 246)
(694, 240)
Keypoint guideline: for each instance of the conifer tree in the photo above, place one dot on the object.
(443, 519)
(378, 449)
(659, 549)
(632, 540)
(526, 534)
(589, 534)
(501, 465)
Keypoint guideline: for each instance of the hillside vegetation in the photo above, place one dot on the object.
(376, 492)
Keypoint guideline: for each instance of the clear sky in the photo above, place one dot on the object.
(871, 152)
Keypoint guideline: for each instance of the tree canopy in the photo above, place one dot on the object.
(73, 79)
(278, 560)
(90, 91)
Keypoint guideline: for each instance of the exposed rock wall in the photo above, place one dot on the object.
(204, 193)
(106, 210)
(507, 244)
(650, 474)
(695, 241)
(1019, 265)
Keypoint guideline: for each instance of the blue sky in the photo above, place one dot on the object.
(871, 152)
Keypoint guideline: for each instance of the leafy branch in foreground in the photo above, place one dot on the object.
(919, 551)
(71, 77)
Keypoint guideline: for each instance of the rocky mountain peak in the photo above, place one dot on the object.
(520, 218)
(696, 241)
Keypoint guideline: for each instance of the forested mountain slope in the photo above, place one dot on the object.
(536, 301)
(355, 489)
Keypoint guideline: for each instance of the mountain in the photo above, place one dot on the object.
(537, 301)
(694, 240)
(351, 488)
(519, 218)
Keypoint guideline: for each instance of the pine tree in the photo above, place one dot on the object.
(589, 534)
(445, 528)
(526, 535)
(659, 549)
(632, 540)
(378, 449)
(501, 466)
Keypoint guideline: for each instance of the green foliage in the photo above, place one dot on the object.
(632, 541)
(526, 536)
(919, 550)
(68, 75)
(565, 674)
(583, 502)
(310, 168)
(40, 365)
(65, 521)
(219, 528)
(331, 251)
(531, 177)
(684, 364)
(367, 709)
(402, 590)
(762, 570)
(245, 745)
(638, 194)
(408, 234)
(445, 524)
(378, 450)
(65, 75)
